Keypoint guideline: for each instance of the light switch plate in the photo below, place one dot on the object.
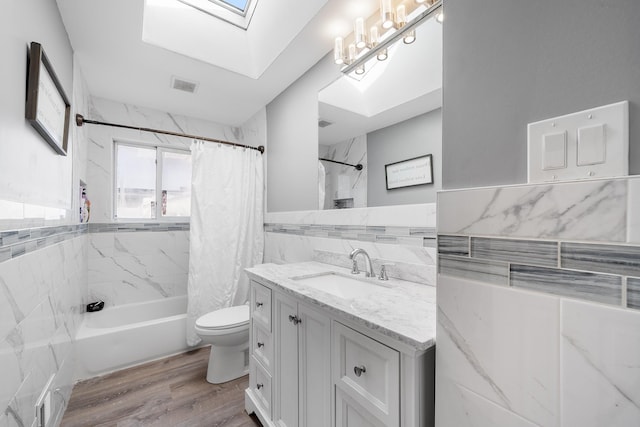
(604, 146)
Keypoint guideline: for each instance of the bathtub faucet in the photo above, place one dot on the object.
(95, 306)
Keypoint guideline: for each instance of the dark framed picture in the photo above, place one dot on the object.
(47, 107)
(410, 172)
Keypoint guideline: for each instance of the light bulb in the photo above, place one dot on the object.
(401, 15)
(382, 55)
(360, 70)
(338, 51)
(386, 14)
(440, 17)
(361, 39)
(410, 37)
(352, 52)
(373, 36)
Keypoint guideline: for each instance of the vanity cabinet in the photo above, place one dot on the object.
(303, 368)
(313, 367)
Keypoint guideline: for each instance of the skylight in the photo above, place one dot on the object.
(237, 4)
(236, 12)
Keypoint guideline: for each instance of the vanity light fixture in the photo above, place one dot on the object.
(398, 20)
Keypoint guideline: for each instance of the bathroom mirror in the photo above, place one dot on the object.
(389, 114)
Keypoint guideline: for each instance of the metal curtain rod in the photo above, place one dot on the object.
(358, 166)
(80, 120)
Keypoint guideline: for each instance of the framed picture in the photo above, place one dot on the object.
(410, 172)
(47, 106)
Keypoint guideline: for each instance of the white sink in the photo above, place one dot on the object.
(341, 286)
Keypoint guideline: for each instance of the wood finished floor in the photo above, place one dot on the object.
(171, 392)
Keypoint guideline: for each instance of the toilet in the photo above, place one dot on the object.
(227, 330)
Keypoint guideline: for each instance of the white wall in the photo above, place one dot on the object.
(292, 133)
(42, 270)
(22, 149)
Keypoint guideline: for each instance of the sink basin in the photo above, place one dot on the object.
(341, 286)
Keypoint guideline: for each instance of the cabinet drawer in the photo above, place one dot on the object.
(368, 371)
(260, 383)
(261, 305)
(350, 414)
(262, 346)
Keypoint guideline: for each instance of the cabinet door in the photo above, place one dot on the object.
(286, 352)
(314, 346)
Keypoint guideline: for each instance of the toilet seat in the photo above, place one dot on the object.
(225, 319)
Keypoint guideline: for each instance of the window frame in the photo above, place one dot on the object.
(159, 150)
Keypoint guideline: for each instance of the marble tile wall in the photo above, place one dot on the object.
(559, 263)
(352, 151)
(406, 243)
(131, 265)
(41, 304)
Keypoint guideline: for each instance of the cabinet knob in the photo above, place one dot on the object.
(359, 370)
(259, 386)
(260, 344)
(294, 319)
(258, 304)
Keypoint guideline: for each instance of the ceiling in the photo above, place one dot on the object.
(238, 72)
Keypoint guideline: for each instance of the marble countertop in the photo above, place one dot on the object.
(402, 310)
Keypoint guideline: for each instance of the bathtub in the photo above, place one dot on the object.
(130, 334)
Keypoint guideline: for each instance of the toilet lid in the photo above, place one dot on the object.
(225, 318)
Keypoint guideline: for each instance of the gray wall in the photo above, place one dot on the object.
(292, 141)
(508, 63)
(412, 138)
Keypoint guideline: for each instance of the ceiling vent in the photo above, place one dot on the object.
(183, 85)
(324, 123)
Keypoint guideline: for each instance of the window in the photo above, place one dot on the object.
(238, 4)
(151, 182)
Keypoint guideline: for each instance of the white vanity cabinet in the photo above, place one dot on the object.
(314, 366)
(303, 364)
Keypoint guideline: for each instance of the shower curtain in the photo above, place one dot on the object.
(226, 227)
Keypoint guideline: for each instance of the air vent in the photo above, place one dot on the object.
(183, 85)
(324, 123)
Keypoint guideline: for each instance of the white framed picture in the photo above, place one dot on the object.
(410, 172)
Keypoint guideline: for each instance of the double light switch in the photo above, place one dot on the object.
(588, 144)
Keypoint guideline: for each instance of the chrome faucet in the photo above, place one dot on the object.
(368, 264)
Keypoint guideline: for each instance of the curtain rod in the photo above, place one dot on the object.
(80, 120)
(358, 166)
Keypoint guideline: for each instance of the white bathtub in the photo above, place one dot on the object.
(126, 335)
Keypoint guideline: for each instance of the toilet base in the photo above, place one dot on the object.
(227, 363)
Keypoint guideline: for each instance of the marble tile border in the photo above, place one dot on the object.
(587, 271)
(408, 236)
(14, 243)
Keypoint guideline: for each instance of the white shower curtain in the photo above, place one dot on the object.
(226, 227)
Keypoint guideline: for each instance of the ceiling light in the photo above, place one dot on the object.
(360, 69)
(382, 55)
(440, 17)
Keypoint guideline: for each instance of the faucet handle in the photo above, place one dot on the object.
(354, 267)
(383, 271)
